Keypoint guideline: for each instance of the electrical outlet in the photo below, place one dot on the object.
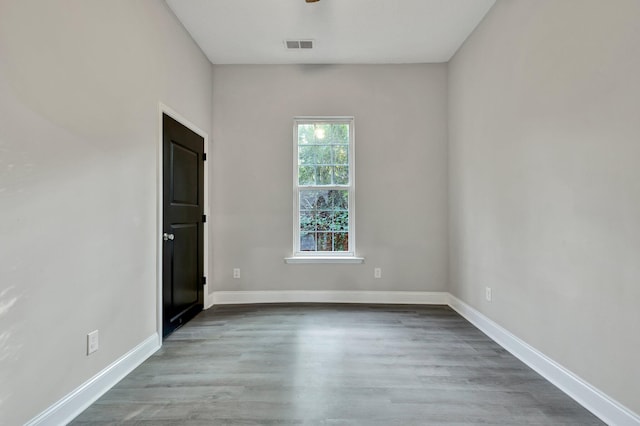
(92, 342)
(377, 272)
(236, 272)
(487, 294)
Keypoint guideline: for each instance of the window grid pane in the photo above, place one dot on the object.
(324, 220)
(324, 241)
(323, 157)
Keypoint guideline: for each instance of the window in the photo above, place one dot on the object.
(323, 187)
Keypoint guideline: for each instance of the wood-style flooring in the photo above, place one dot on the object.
(311, 364)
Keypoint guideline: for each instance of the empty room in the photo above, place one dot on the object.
(319, 212)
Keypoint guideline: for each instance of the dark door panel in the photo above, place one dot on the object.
(184, 176)
(183, 208)
(185, 262)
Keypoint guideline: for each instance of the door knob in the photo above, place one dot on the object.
(167, 237)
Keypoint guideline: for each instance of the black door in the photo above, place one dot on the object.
(183, 209)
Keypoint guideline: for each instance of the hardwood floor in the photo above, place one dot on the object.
(333, 365)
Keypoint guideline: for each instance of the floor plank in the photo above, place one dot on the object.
(313, 364)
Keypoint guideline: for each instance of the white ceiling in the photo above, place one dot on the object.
(344, 31)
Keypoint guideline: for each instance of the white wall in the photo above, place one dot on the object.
(80, 83)
(401, 201)
(544, 131)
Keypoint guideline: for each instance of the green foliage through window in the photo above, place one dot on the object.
(323, 154)
(324, 220)
(323, 161)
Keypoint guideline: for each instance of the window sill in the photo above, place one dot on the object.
(324, 259)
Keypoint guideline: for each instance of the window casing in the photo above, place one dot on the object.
(323, 181)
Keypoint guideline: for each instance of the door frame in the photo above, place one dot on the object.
(164, 109)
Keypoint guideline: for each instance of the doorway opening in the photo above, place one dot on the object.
(182, 245)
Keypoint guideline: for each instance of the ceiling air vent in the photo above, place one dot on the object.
(299, 44)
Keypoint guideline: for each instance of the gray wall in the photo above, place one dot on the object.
(401, 201)
(80, 83)
(544, 131)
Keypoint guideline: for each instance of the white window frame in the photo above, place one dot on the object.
(328, 257)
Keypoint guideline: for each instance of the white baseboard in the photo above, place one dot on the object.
(208, 298)
(601, 405)
(69, 407)
(301, 296)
